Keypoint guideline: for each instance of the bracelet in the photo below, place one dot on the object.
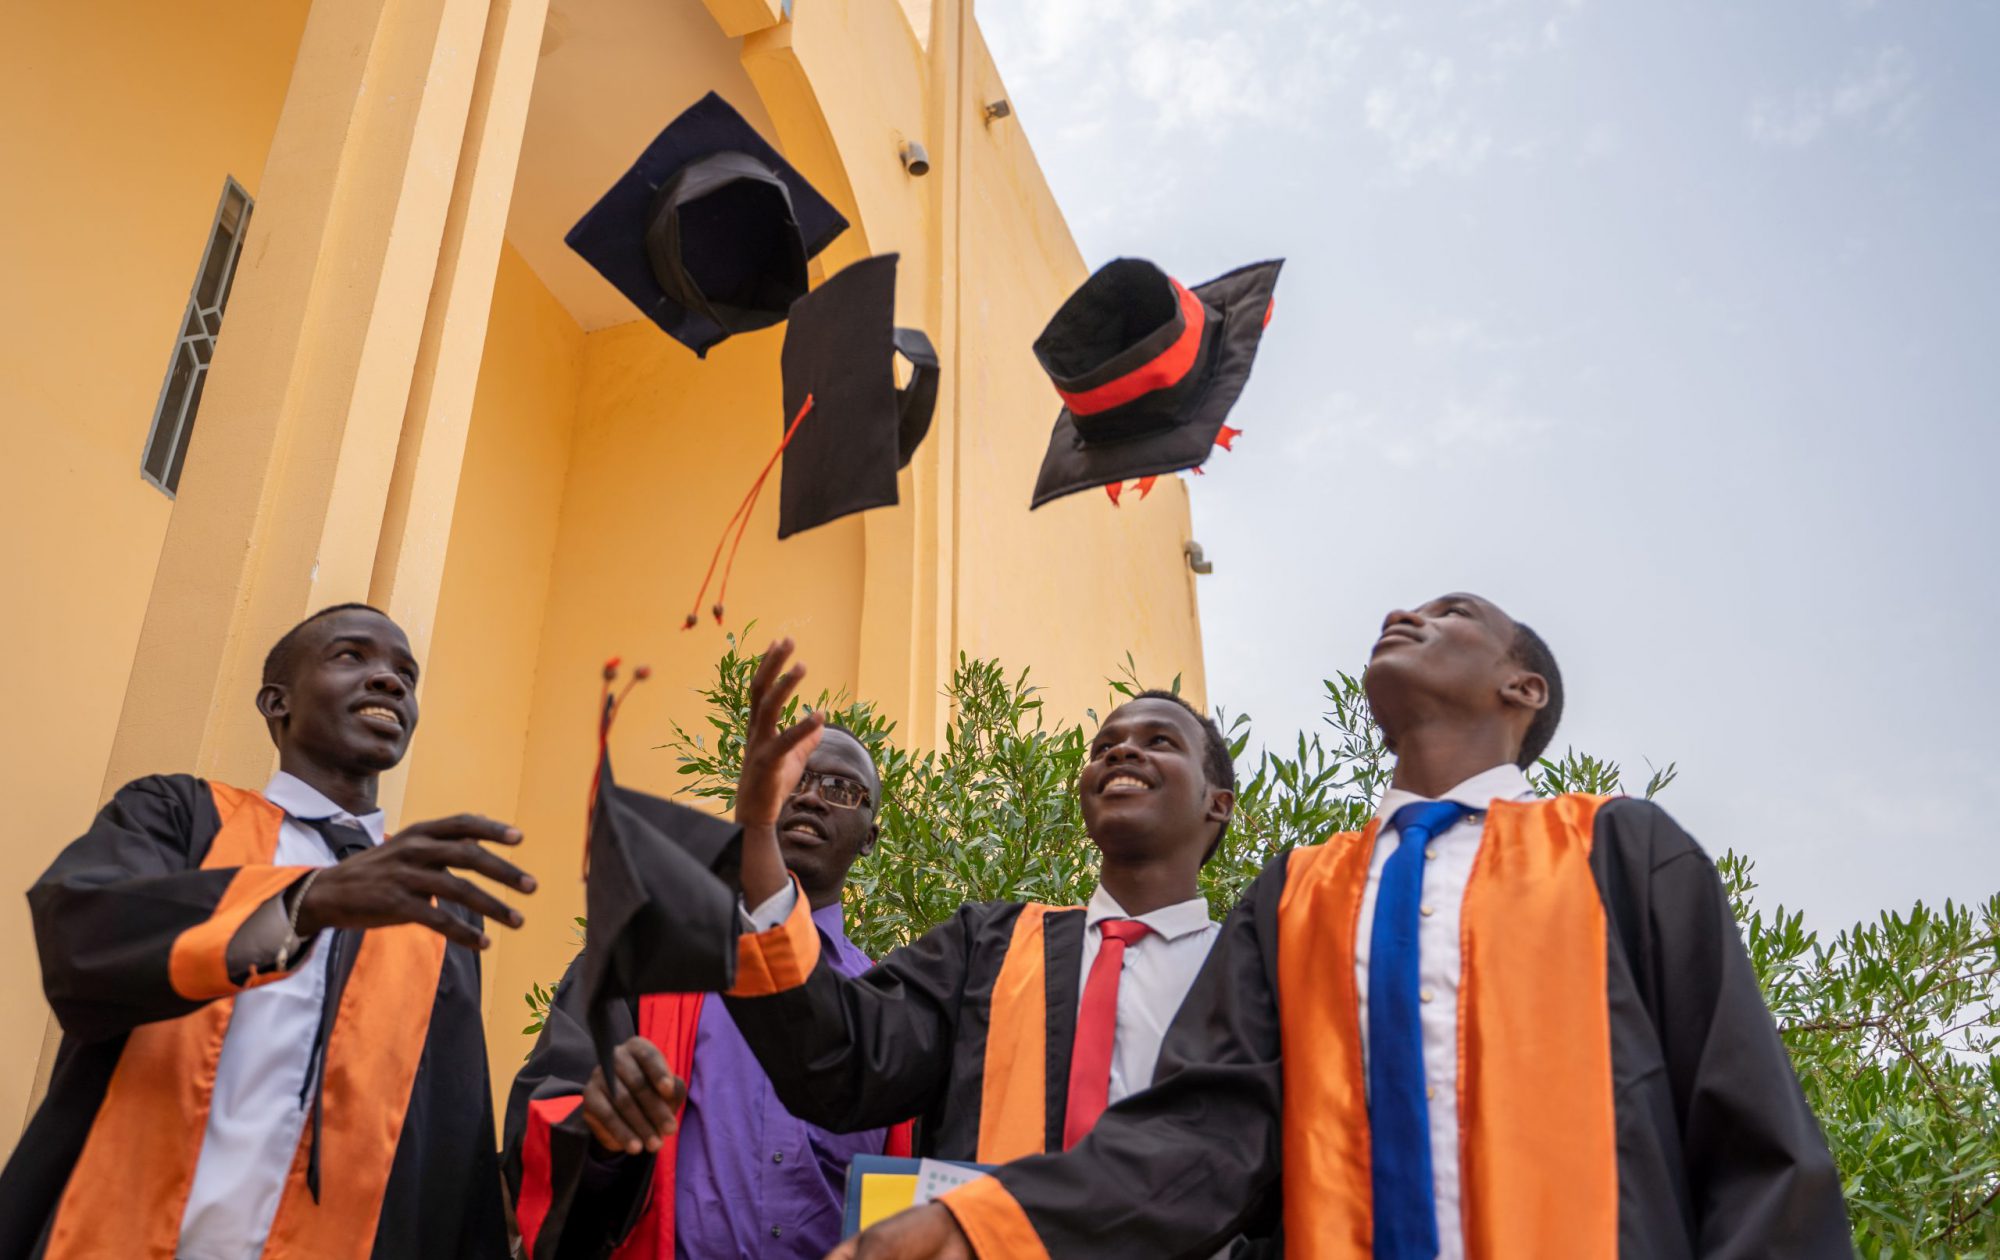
(291, 941)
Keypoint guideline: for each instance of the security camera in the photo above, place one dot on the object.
(915, 160)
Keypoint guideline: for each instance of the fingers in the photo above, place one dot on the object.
(470, 857)
(661, 1077)
(805, 732)
(775, 658)
(464, 827)
(467, 894)
(845, 1251)
(639, 1097)
(604, 1120)
(773, 689)
(445, 924)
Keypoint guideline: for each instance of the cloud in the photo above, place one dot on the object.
(1422, 120)
(1880, 98)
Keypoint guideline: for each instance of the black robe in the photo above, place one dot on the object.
(1707, 1147)
(968, 1029)
(132, 929)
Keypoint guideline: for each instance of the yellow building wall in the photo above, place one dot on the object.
(1067, 589)
(122, 120)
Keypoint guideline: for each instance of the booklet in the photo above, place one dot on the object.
(879, 1186)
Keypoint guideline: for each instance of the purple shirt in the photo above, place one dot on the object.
(752, 1182)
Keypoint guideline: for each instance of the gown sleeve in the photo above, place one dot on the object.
(850, 1053)
(1761, 1179)
(129, 928)
(1178, 1170)
(571, 1197)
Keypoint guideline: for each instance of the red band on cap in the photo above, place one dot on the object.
(1164, 371)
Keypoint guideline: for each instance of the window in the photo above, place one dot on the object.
(187, 371)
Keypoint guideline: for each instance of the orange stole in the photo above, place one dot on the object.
(1537, 1147)
(130, 1185)
(1014, 1098)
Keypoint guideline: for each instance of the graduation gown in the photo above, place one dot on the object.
(567, 1203)
(132, 923)
(1622, 1089)
(969, 1029)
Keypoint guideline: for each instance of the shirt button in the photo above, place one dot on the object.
(777, 1231)
(1426, 911)
(777, 1157)
(1430, 1091)
(1424, 995)
(1430, 853)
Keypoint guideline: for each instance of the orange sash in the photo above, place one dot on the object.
(1014, 1098)
(1538, 1153)
(127, 1193)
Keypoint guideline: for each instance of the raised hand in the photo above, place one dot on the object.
(929, 1232)
(395, 881)
(773, 762)
(638, 1109)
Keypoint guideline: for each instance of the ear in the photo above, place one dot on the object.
(1527, 690)
(1221, 805)
(274, 702)
(868, 842)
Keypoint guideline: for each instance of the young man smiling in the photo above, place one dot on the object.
(1486, 1025)
(686, 1149)
(272, 1042)
(1007, 1028)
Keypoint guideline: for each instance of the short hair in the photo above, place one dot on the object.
(1217, 766)
(866, 752)
(1533, 654)
(278, 661)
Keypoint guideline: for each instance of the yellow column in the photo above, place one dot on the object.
(283, 495)
(423, 487)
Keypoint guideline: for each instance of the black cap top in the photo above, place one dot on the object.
(709, 232)
(1147, 369)
(839, 350)
(661, 919)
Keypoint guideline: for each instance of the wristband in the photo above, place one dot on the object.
(291, 941)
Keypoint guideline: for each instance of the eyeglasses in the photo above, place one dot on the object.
(836, 790)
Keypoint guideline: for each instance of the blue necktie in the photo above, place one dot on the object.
(1398, 1115)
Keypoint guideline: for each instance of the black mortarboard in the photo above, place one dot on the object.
(661, 919)
(1147, 369)
(848, 429)
(709, 232)
(839, 351)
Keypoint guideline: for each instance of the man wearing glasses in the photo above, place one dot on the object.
(738, 1175)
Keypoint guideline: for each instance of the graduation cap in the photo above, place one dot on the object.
(1147, 369)
(709, 231)
(839, 370)
(661, 919)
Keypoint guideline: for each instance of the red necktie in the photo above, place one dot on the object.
(1097, 1029)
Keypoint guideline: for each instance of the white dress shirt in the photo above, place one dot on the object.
(1438, 966)
(1155, 978)
(255, 1118)
(1158, 970)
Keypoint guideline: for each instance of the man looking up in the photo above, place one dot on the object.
(272, 1042)
(1005, 1029)
(734, 1174)
(1486, 1025)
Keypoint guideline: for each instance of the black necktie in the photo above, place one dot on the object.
(345, 840)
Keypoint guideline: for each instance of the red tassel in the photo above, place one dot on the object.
(1226, 439)
(607, 713)
(1270, 309)
(1115, 489)
(1146, 486)
(740, 519)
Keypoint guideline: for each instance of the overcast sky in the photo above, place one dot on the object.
(1670, 327)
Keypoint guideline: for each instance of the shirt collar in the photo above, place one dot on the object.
(303, 801)
(830, 920)
(1172, 922)
(1501, 783)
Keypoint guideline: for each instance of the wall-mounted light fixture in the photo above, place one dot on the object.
(915, 161)
(996, 110)
(1196, 559)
